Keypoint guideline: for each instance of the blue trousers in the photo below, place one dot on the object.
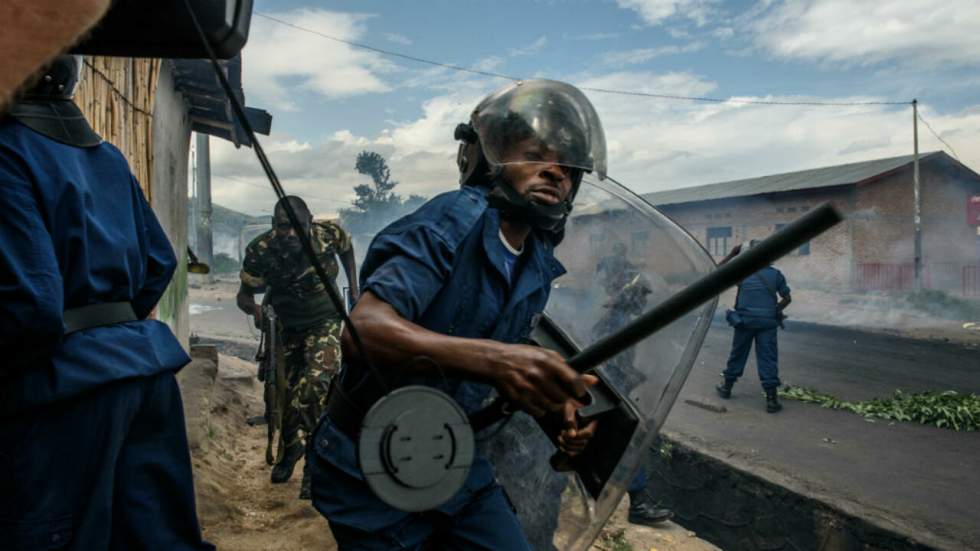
(487, 523)
(766, 355)
(639, 482)
(109, 469)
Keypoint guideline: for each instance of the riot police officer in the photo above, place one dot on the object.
(94, 450)
(757, 316)
(448, 292)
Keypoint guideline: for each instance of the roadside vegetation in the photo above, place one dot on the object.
(948, 409)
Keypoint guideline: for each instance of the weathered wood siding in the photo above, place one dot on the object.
(117, 96)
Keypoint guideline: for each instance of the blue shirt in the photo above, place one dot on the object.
(755, 297)
(75, 230)
(443, 267)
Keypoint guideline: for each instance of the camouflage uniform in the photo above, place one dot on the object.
(310, 324)
(312, 359)
(627, 292)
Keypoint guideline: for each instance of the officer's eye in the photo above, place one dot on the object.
(533, 155)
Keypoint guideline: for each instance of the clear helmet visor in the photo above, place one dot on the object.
(541, 121)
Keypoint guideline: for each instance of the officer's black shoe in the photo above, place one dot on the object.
(772, 401)
(645, 514)
(725, 388)
(284, 468)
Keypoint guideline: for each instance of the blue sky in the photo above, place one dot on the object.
(330, 100)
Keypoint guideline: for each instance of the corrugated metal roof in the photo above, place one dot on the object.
(851, 173)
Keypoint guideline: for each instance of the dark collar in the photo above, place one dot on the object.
(62, 121)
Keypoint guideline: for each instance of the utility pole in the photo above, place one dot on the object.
(917, 284)
(202, 172)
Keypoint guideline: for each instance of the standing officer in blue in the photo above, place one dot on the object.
(94, 452)
(448, 294)
(758, 316)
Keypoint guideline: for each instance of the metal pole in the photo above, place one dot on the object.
(192, 208)
(203, 172)
(918, 198)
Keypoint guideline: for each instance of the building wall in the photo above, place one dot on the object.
(171, 147)
(826, 263)
(117, 96)
(885, 229)
(875, 240)
(132, 104)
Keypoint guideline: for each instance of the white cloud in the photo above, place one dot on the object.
(593, 36)
(654, 12)
(530, 49)
(642, 55)
(398, 39)
(906, 31)
(653, 144)
(723, 33)
(279, 58)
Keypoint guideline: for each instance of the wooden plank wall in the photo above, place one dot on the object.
(116, 95)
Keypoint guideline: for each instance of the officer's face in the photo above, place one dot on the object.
(286, 235)
(533, 171)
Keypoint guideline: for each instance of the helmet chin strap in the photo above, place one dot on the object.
(550, 218)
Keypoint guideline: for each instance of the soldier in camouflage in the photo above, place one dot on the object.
(310, 324)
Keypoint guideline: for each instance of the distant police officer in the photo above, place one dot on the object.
(93, 450)
(274, 263)
(448, 291)
(758, 314)
(627, 291)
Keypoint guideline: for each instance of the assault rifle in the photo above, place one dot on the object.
(272, 373)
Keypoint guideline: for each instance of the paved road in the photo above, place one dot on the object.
(918, 479)
(914, 478)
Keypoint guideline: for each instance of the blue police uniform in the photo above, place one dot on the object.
(94, 452)
(757, 305)
(444, 268)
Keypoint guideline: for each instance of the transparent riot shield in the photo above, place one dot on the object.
(623, 257)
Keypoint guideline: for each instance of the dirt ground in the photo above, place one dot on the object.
(241, 510)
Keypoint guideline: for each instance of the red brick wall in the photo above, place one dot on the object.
(828, 263)
(884, 225)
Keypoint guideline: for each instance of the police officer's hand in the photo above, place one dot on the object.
(257, 314)
(573, 439)
(535, 379)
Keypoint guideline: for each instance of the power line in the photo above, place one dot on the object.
(590, 89)
(112, 86)
(388, 52)
(744, 101)
(951, 150)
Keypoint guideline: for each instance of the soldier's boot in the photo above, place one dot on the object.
(725, 388)
(284, 469)
(772, 401)
(645, 513)
(304, 487)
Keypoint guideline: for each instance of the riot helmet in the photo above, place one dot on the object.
(47, 107)
(564, 128)
(58, 81)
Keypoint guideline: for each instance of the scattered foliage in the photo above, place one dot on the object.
(948, 409)
(225, 264)
(615, 540)
(943, 305)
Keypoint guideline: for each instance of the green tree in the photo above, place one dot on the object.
(375, 205)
